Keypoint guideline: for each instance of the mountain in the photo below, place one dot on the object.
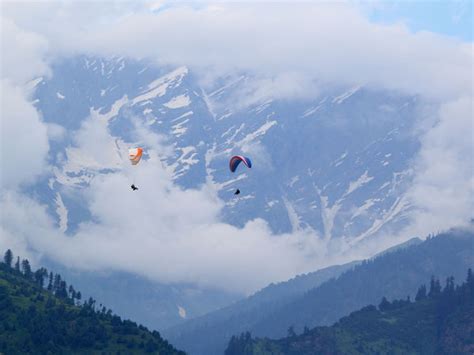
(35, 320)
(395, 274)
(155, 305)
(336, 161)
(440, 322)
(211, 332)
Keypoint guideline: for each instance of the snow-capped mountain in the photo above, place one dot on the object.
(337, 163)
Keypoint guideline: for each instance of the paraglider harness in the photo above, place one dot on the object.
(134, 188)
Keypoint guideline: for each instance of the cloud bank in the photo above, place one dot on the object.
(173, 235)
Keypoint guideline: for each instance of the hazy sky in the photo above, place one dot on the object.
(290, 49)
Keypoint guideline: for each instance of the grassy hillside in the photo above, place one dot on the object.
(438, 322)
(38, 320)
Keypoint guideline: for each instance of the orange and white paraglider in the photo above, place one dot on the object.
(135, 155)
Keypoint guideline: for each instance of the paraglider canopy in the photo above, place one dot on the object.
(236, 160)
(135, 154)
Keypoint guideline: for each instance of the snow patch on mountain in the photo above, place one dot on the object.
(328, 214)
(189, 113)
(397, 207)
(182, 312)
(62, 212)
(178, 102)
(158, 87)
(114, 110)
(344, 96)
(179, 129)
(362, 180)
(251, 137)
(292, 215)
(362, 210)
(313, 110)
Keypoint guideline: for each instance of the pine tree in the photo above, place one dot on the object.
(17, 264)
(421, 294)
(50, 282)
(8, 258)
(470, 277)
(56, 283)
(291, 332)
(26, 268)
(61, 291)
(449, 288)
(39, 276)
(72, 292)
(384, 304)
(435, 287)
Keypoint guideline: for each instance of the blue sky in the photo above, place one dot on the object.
(448, 17)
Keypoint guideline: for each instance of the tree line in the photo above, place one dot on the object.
(448, 304)
(41, 313)
(52, 282)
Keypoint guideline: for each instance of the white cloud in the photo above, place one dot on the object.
(165, 233)
(443, 188)
(289, 50)
(24, 142)
(326, 42)
(22, 53)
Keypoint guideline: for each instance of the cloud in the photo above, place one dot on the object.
(443, 188)
(289, 51)
(310, 41)
(165, 233)
(22, 53)
(24, 144)
(24, 139)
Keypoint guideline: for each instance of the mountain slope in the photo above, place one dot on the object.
(155, 305)
(353, 145)
(396, 275)
(344, 177)
(33, 320)
(211, 332)
(441, 322)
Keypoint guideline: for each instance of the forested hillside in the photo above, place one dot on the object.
(395, 274)
(40, 314)
(440, 321)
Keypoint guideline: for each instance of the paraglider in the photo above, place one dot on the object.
(135, 155)
(234, 163)
(236, 160)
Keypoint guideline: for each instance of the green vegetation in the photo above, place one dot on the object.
(51, 319)
(440, 321)
(395, 274)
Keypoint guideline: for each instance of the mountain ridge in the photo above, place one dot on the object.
(395, 274)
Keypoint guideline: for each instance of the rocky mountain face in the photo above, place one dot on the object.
(336, 162)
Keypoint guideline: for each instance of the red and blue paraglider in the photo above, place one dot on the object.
(234, 163)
